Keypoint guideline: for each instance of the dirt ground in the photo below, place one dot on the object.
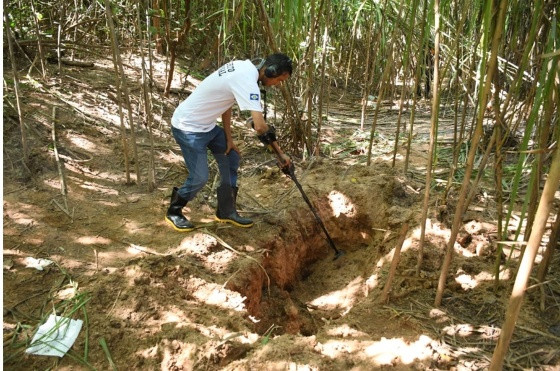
(267, 297)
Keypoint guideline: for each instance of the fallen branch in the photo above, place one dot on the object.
(72, 63)
(541, 333)
(146, 250)
(67, 212)
(394, 263)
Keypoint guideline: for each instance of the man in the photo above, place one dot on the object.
(195, 130)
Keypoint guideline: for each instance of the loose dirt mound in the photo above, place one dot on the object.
(267, 297)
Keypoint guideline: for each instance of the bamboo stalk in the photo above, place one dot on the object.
(146, 95)
(529, 44)
(309, 78)
(23, 132)
(317, 150)
(370, 75)
(182, 34)
(498, 182)
(385, 80)
(522, 278)
(273, 45)
(543, 135)
(394, 263)
(433, 139)
(458, 142)
(462, 205)
(59, 162)
(367, 72)
(353, 37)
(39, 43)
(545, 82)
(58, 51)
(406, 63)
(416, 84)
(123, 88)
(550, 248)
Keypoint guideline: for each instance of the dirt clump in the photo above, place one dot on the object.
(266, 297)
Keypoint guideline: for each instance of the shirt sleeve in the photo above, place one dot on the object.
(247, 94)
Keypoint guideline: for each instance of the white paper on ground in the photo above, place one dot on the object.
(55, 336)
(38, 264)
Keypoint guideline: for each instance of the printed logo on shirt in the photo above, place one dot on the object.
(254, 96)
(228, 67)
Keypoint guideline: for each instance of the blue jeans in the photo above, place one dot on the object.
(194, 147)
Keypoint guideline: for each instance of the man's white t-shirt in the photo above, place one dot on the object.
(235, 81)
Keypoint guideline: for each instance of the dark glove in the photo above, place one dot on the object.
(288, 170)
(268, 137)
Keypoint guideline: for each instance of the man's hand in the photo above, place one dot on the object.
(285, 161)
(267, 132)
(226, 120)
(231, 146)
(286, 165)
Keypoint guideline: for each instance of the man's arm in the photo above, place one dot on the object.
(261, 128)
(259, 124)
(226, 121)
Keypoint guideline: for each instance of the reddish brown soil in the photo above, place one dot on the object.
(268, 297)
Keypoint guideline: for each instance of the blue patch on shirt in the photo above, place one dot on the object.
(254, 96)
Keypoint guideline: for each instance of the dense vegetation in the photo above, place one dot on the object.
(493, 63)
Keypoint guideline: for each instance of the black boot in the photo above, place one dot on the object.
(226, 211)
(175, 216)
(235, 190)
